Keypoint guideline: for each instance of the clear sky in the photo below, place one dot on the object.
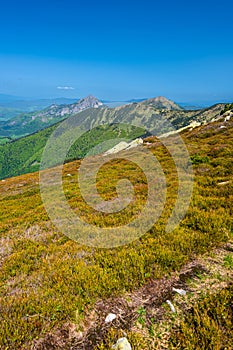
(117, 49)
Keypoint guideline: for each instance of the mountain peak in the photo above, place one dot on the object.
(91, 101)
(161, 102)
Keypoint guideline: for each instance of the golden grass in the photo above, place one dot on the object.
(46, 278)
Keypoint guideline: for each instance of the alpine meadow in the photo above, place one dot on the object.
(116, 175)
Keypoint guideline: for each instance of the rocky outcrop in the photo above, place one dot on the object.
(124, 146)
(67, 110)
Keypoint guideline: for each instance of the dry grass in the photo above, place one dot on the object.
(48, 280)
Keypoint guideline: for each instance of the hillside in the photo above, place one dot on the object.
(23, 155)
(29, 123)
(56, 293)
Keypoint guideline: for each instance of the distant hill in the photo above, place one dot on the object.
(23, 155)
(161, 102)
(11, 106)
(28, 123)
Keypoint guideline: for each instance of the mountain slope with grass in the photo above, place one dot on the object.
(161, 102)
(24, 155)
(56, 293)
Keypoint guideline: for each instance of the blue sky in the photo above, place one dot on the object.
(117, 49)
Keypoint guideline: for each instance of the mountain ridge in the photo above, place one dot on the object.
(24, 124)
(130, 121)
(29, 123)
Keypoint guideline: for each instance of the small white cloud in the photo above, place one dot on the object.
(65, 88)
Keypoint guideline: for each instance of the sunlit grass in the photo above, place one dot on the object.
(46, 277)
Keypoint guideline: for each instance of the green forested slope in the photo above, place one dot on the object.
(23, 156)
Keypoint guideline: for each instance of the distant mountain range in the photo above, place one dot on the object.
(149, 111)
(159, 115)
(11, 106)
(28, 123)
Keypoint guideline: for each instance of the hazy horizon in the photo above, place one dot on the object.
(5, 98)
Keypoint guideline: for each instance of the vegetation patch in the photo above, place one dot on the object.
(48, 281)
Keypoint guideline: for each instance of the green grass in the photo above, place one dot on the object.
(228, 261)
(4, 140)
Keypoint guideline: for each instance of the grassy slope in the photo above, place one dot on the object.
(24, 155)
(48, 280)
(202, 318)
(4, 140)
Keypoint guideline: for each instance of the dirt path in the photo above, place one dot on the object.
(146, 307)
